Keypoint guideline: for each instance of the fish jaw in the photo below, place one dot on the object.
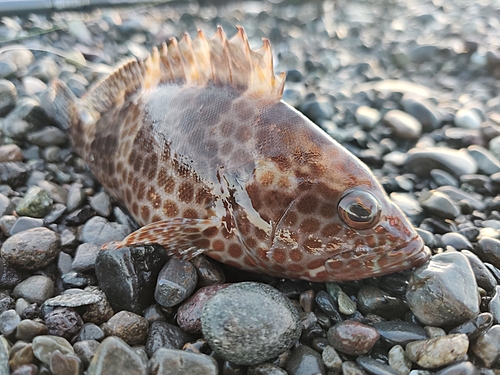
(363, 262)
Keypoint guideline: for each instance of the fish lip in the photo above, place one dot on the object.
(412, 253)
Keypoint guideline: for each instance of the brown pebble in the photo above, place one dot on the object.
(351, 337)
(10, 152)
(130, 327)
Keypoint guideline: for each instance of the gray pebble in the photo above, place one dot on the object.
(261, 369)
(443, 178)
(404, 125)
(25, 223)
(176, 282)
(99, 231)
(114, 356)
(457, 240)
(467, 118)
(439, 351)
(90, 331)
(475, 327)
(352, 368)
(4, 356)
(165, 335)
(85, 257)
(462, 368)
(250, 310)
(367, 117)
(487, 346)
(423, 110)
(484, 278)
(31, 249)
(129, 327)
(407, 203)
(440, 204)
(8, 96)
(56, 192)
(48, 136)
(8, 322)
(44, 346)
(489, 250)
(494, 147)
(28, 116)
(374, 300)
(13, 173)
(422, 160)
(61, 364)
(449, 276)
(36, 289)
(331, 358)
(21, 56)
(76, 197)
(400, 332)
(375, 367)
(28, 329)
(398, 360)
(85, 350)
(101, 204)
(304, 361)
(486, 162)
(35, 203)
(493, 305)
(175, 361)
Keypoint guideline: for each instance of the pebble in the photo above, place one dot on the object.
(35, 289)
(331, 359)
(13, 173)
(439, 351)
(487, 346)
(11, 152)
(457, 162)
(404, 125)
(442, 178)
(35, 203)
(176, 282)
(85, 257)
(189, 313)
(367, 117)
(209, 272)
(28, 329)
(61, 364)
(25, 223)
(304, 361)
(494, 305)
(474, 327)
(99, 231)
(73, 298)
(48, 136)
(352, 368)
(21, 354)
(374, 300)
(128, 275)
(99, 312)
(262, 369)
(101, 204)
(484, 278)
(400, 332)
(85, 350)
(9, 321)
(450, 275)
(489, 250)
(4, 356)
(398, 360)
(31, 249)
(90, 331)
(457, 240)
(423, 110)
(487, 163)
(462, 368)
(44, 346)
(374, 366)
(346, 305)
(8, 96)
(467, 118)
(494, 147)
(114, 356)
(440, 205)
(352, 337)
(64, 322)
(174, 361)
(327, 304)
(129, 327)
(165, 335)
(250, 309)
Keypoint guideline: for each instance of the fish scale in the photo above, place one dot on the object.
(196, 143)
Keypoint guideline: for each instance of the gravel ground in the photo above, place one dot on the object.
(411, 88)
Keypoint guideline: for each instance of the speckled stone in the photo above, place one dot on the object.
(303, 361)
(129, 327)
(175, 361)
(487, 346)
(252, 310)
(64, 322)
(352, 337)
(35, 203)
(398, 360)
(439, 351)
(44, 346)
(176, 282)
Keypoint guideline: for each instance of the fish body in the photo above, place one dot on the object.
(197, 145)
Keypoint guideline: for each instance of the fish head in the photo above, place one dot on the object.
(341, 225)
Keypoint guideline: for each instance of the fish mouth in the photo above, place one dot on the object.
(363, 262)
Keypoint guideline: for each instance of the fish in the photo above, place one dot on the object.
(197, 144)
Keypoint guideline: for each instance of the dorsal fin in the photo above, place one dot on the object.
(197, 62)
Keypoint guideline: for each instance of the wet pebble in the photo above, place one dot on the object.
(21, 354)
(304, 361)
(327, 304)
(404, 125)
(484, 278)
(101, 204)
(450, 275)
(189, 313)
(114, 356)
(249, 309)
(425, 111)
(85, 350)
(36, 289)
(13, 173)
(352, 368)
(129, 327)
(438, 351)
(400, 332)
(423, 160)
(398, 360)
(8, 96)
(208, 271)
(331, 358)
(165, 335)
(31, 249)
(128, 275)
(25, 223)
(457, 240)
(489, 250)
(44, 346)
(352, 337)
(35, 203)
(176, 282)
(487, 346)
(90, 331)
(494, 305)
(100, 231)
(474, 327)
(440, 205)
(374, 366)
(181, 362)
(462, 368)
(64, 322)
(374, 300)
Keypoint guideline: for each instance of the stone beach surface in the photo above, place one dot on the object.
(410, 87)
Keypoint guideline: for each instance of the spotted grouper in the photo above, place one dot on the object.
(196, 143)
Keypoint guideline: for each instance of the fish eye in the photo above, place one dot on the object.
(359, 209)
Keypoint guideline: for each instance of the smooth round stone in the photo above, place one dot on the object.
(375, 367)
(439, 351)
(28, 329)
(209, 272)
(352, 337)
(489, 250)
(487, 346)
(398, 360)
(25, 223)
(165, 335)
(457, 240)
(35, 203)
(367, 117)
(99, 312)
(85, 257)
(115, 357)
(400, 332)
(434, 331)
(494, 147)
(48, 136)
(154, 313)
(76, 197)
(100, 231)
(174, 361)
(35, 289)
(486, 162)
(44, 346)
(6, 207)
(467, 118)
(235, 319)
(440, 205)
(304, 361)
(61, 364)
(101, 204)
(476, 326)
(189, 313)
(407, 203)
(21, 354)
(129, 327)
(423, 110)
(327, 304)
(9, 321)
(13, 173)
(64, 322)
(176, 282)
(346, 305)
(4, 356)
(449, 276)
(442, 178)
(404, 125)
(10, 152)
(90, 331)
(374, 300)
(31, 249)
(128, 275)
(331, 358)
(458, 195)
(422, 160)
(484, 278)
(462, 368)
(85, 350)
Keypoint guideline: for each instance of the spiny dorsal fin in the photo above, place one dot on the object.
(197, 62)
